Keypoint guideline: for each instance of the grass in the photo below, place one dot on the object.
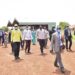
(73, 37)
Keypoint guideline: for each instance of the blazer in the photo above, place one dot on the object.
(66, 33)
(55, 43)
(67, 36)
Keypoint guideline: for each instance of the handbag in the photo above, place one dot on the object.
(62, 48)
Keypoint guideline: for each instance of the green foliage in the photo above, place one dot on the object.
(5, 28)
(0, 28)
(63, 25)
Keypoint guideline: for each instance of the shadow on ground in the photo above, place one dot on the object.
(58, 72)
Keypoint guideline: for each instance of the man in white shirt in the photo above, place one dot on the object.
(27, 35)
(41, 38)
(23, 38)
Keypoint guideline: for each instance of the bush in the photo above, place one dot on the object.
(5, 28)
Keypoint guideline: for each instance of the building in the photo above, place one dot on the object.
(36, 25)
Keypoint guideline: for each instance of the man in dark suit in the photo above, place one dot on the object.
(68, 38)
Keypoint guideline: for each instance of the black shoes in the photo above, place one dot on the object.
(56, 65)
(62, 70)
(29, 52)
(51, 51)
(70, 49)
(17, 58)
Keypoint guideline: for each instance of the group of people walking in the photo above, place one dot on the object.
(27, 36)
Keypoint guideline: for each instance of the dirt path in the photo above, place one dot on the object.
(35, 63)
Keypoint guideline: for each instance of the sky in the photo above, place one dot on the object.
(37, 11)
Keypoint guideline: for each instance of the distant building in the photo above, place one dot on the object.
(36, 25)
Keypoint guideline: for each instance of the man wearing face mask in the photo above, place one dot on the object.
(41, 38)
(56, 42)
(16, 39)
(28, 37)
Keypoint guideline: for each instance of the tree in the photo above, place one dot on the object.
(63, 25)
(5, 28)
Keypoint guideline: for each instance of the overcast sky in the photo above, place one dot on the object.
(37, 11)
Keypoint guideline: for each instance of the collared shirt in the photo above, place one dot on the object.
(59, 38)
(24, 34)
(16, 35)
(27, 35)
(41, 34)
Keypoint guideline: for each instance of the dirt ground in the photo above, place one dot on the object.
(35, 63)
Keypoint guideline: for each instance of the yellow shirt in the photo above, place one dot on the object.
(16, 35)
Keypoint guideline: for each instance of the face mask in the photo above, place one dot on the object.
(16, 28)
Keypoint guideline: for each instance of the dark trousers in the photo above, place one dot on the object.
(50, 37)
(28, 43)
(0, 39)
(12, 47)
(69, 40)
(22, 44)
(46, 42)
(66, 43)
(16, 48)
(42, 44)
